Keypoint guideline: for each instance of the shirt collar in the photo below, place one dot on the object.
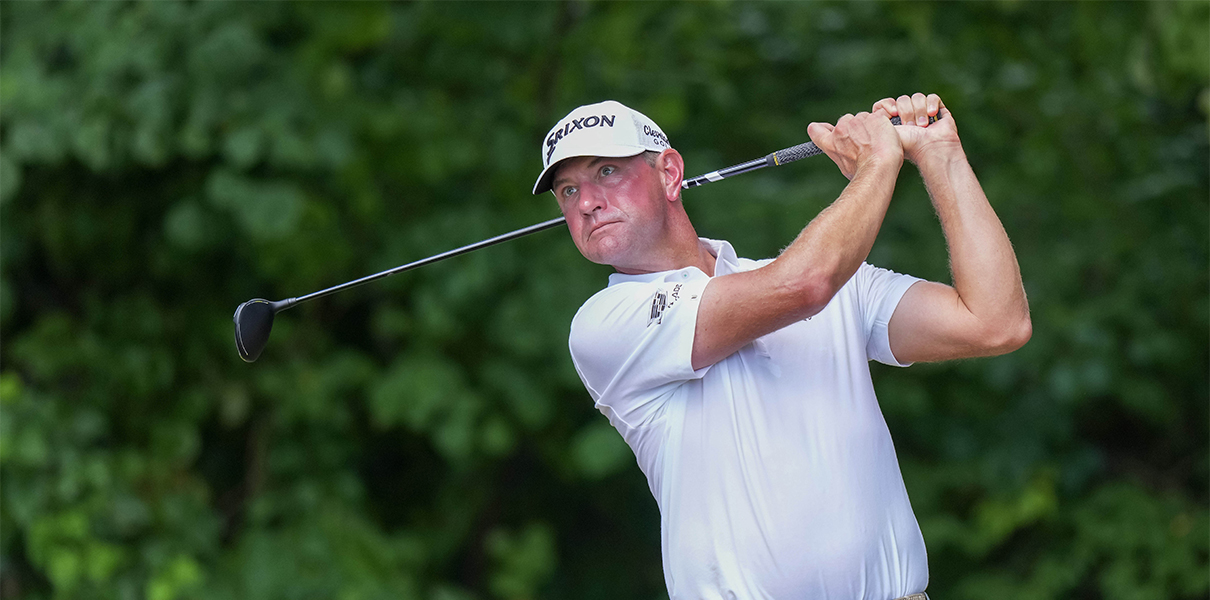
(725, 263)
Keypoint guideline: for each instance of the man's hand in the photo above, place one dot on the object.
(917, 136)
(856, 140)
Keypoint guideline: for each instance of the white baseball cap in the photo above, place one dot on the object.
(606, 128)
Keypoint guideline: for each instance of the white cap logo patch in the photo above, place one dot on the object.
(604, 129)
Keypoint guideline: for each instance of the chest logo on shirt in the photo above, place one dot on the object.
(661, 302)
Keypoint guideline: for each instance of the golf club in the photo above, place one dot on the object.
(254, 318)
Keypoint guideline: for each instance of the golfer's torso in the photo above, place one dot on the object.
(777, 477)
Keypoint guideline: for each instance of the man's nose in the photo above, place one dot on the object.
(592, 198)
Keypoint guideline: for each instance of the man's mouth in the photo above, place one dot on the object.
(597, 228)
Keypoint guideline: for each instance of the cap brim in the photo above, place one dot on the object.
(543, 184)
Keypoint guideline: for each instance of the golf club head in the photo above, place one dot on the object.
(253, 322)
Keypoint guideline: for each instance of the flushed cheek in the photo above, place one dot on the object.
(580, 235)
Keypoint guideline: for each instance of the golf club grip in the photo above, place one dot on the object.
(802, 151)
(794, 153)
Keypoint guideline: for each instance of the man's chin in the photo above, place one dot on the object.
(606, 251)
(602, 260)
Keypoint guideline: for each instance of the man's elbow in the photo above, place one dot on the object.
(1009, 338)
(803, 293)
(813, 292)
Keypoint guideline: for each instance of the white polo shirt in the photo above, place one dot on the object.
(773, 468)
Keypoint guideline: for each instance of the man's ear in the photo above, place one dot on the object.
(671, 166)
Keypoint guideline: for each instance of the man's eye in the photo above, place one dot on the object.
(607, 171)
(569, 191)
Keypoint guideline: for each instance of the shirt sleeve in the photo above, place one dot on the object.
(632, 345)
(879, 292)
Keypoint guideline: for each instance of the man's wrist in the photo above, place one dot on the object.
(882, 160)
(939, 158)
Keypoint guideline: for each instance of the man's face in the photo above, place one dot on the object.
(615, 208)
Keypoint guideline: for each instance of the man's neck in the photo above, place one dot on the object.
(686, 254)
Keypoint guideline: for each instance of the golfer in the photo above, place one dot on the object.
(743, 386)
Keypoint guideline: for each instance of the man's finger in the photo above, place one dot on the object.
(821, 134)
(820, 129)
(932, 102)
(904, 105)
(887, 105)
(920, 109)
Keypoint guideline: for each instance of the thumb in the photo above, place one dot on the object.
(820, 132)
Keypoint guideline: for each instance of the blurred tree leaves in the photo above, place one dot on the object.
(598, 451)
(427, 437)
(525, 560)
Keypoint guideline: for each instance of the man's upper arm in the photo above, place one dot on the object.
(931, 323)
(631, 342)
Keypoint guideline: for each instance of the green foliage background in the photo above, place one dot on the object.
(427, 437)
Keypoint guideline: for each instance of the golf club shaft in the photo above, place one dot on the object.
(778, 158)
(774, 159)
(512, 235)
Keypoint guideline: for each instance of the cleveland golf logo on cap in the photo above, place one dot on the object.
(656, 135)
(573, 125)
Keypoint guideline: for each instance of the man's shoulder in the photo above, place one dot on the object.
(612, 297)
(616, 292)
(630, 299)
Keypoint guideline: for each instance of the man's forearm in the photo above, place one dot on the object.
(984, 266)
(828, 251)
